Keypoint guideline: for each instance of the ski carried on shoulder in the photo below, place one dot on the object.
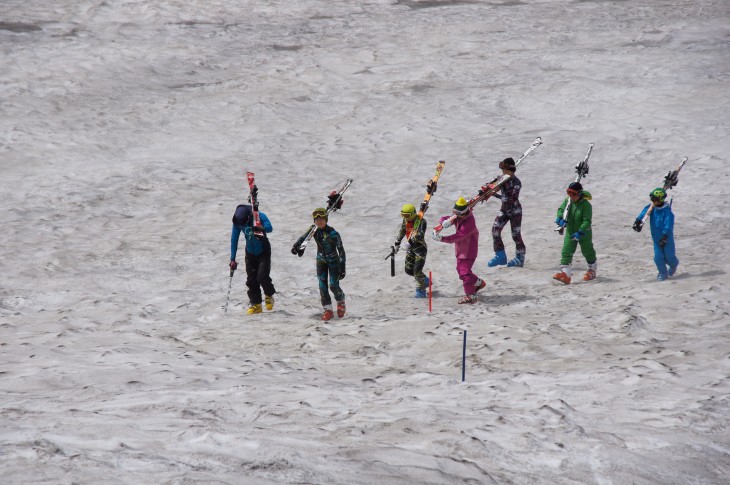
(334, 202)
(670, 180)
(253, 199)
(581, 170)
(488, 190)
(431, 187)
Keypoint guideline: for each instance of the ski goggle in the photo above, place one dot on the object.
(572, 193)
(409, 216)
(461, 213)
(319, 213)
(654, 198)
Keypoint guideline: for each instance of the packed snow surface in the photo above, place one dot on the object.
(126, 129)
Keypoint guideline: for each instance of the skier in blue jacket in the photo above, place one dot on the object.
(661, 221)
(258, 256)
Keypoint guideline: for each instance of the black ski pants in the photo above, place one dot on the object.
(257, 276)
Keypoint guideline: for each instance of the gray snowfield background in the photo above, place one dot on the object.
(126, 129)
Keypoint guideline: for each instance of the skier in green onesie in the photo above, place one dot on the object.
(577, 231)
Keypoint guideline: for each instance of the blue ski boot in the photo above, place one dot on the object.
(517, 262)
(499, 259)
(421, 293)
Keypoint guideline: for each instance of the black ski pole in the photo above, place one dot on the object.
(228, 296)
(392, 261)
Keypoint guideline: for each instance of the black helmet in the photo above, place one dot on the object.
(508, 164)
(576, 186)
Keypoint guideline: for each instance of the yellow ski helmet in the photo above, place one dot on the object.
(461, 207)
(408, 212)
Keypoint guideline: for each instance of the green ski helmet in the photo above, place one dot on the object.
(658, 194)
(408, 212)
(320, 212)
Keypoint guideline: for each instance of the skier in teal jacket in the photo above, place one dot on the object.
(661, 221)
(331, 263)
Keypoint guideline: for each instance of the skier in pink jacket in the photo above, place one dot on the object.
(466, 247)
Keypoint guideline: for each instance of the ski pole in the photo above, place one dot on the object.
(392, 260)
(228, 296)
(463, 359)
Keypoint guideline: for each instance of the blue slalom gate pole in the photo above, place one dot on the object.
(463, 359)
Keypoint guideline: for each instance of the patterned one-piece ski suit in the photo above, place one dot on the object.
(511, 211)
(416, 255)
(331, 262)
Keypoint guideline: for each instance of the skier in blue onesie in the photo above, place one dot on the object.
(661, 221)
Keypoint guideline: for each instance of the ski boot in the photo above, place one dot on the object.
(269, 300)
(341, 309)
(564, 275)
(254, 308)
(672, 270)
(468, 300)
(422, 292)
(517, 262)
(479, 285)
(328, 314)
(661, 276)
(591, 273)
(499, 259)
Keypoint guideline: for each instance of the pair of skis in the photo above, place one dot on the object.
(488, 190)
(334, 202)
(431, 187)
(581, 169)
(253, 200)
(670, 180)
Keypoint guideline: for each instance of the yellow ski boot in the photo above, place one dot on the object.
(254, 309)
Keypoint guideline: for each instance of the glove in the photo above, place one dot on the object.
(342, 272)
(396, 248)
(295, 249)
(663, 241)
(560, 221)
(332, 198)
(577, 235)
(233, 265)
(406, 245)
(437, 237)
(637, 225)
(484, 189)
